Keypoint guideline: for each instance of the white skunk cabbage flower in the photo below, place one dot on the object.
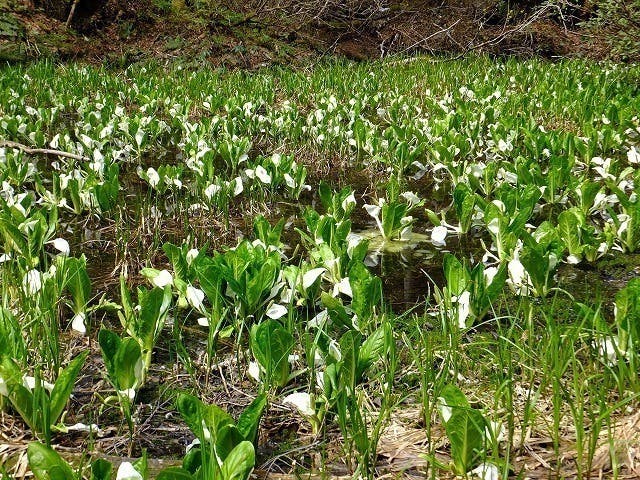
(463, 302)
(518, 277)
(192, 255)
(61, 245)
(344, 287)
(348, 201)
(310, 277)
(32, 281)
(486, 471)
(254, 371)
(4, 391)
(262, 175)
(276, 311)
(30, 383)
(445, 410)
(411, 198)
(162, 279)
(195, 297)
(153, 176)
(130, 393)
(127, 472)
(301, 401)
(78, 323)
(439, 235)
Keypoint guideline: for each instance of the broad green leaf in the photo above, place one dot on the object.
(227, 438)
(456, 274)
(239, 462)
(64, 385)
(101, 469)
(372, 349)
(47, 464)
(271, 345)
(174, 473)
(249, 419)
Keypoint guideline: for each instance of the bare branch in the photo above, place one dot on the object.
(44, 151)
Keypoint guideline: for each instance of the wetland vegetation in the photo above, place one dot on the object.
(403, 268)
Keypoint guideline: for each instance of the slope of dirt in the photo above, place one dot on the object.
(118, 33)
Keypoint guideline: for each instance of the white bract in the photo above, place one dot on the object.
(153, 176)
(195, 297)
(276, 311)
(127, 472)
(32, 281)
(439, 235)
(61, 245)
(162, 279)
(301, 401)
(78, 323)
(486, 471)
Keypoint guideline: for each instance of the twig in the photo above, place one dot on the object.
(429, 37)
(45, 151)
(71, 13)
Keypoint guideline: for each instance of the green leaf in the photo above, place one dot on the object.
(47, 464)
(101, 469)
(569, 231)
(227, 438)
(178, 261)
(64, 385)
(174, 473)
(77, 281)
(349, 373)
(120, 357)
(271, 344)
(21, 397)
(239, 462)
(249, 419)
(372, 349)
(465, 428)
(456, 274)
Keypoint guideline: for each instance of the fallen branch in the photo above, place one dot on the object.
(71, 13)
(45, 151)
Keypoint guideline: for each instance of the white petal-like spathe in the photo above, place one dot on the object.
(262, 174)
(445, 410)
(301, 401)
(153, 176)
(344, 287)
(61, 245)
(373, 210)
(238, 187)
(203, 321)
(32, 281)
(192, 255)
(195, 297)
(310, 277)
(486, 471)
(439, 235)
(254, 371)
(78, 323)
(348, 201)
(81, 427)
(411, 197)
(489, 275)
(463, 308)
(130, 393)
(127, 472)
(30, 383)
(162, 279)
(3, 388)
(276, 311)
